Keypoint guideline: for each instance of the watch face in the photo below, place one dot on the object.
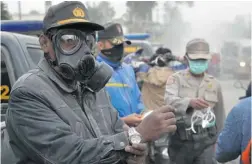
(135, 139)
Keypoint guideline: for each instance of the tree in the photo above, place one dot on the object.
(175, 27)
(141, 9)
(101, 13)
(172, 11)
(241, 26)
(5, 15)
(139, 12)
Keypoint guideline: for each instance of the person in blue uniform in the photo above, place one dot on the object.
(122, 87)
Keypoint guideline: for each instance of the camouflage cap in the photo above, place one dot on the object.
(114, 33)
(198, 49)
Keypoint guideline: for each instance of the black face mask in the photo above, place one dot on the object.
(114, 54)
(75, 61)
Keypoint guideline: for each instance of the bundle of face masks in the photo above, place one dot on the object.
(205, 117)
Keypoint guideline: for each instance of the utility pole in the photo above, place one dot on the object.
(19, 10)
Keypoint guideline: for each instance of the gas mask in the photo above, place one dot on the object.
(163, 60)
(206, 117)
(160, 61)
(198, 66)
(75, 61)
(114, 54)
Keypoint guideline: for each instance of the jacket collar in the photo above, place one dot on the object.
(102, 58)
(205, 79)
(51, 73)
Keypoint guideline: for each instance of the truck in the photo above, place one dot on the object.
(236, 58)
(19, 54)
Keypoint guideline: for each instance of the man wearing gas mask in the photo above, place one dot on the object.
(154, 76)
(200, 114)
(60, 113)
(122, 87)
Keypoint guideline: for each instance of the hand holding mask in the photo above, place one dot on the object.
(206, 117)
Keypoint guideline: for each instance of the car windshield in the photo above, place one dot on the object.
(147, 49)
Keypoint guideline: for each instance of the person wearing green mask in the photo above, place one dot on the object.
(194, 91)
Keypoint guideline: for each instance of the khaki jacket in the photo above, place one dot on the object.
(182, 86)
(153, 88)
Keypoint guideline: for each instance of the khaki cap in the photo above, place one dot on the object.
(198, 49)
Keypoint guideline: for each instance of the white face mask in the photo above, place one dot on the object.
(206, 117)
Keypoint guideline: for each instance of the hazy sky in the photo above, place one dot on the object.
(203, 15)
(203, 10)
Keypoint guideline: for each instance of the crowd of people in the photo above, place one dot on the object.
(75, 108)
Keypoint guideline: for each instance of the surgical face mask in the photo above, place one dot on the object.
(114, 54)
(72, 49)
(198, 66)
(206, 117)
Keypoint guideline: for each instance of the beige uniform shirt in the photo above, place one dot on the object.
(182, 86)
(153, 89)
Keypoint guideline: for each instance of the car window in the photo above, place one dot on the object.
(5, 83)
(35, 54)
(148, 51)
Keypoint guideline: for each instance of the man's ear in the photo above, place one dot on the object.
(44, 43)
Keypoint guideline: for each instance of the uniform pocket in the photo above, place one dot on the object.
(187, 91)
(211, 96)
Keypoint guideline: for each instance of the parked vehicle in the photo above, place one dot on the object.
(139, 41)
(19, 54)
(236, 58)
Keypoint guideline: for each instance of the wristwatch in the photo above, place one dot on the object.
(134, 136)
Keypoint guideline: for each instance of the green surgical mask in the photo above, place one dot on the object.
(198, 66)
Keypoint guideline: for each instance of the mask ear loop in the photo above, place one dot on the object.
(197, 115)
(208, 119)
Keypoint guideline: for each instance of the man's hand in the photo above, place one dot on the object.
(137, 149)
(198, 103)
(136, 159)
(133, 119)
(139, 153)
(160, 121)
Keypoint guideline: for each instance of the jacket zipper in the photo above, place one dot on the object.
(129, 104)
(81, 103)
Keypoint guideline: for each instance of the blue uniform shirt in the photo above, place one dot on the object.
(123, 89)
(236, 133)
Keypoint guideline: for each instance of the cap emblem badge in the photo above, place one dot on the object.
(78, 12)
